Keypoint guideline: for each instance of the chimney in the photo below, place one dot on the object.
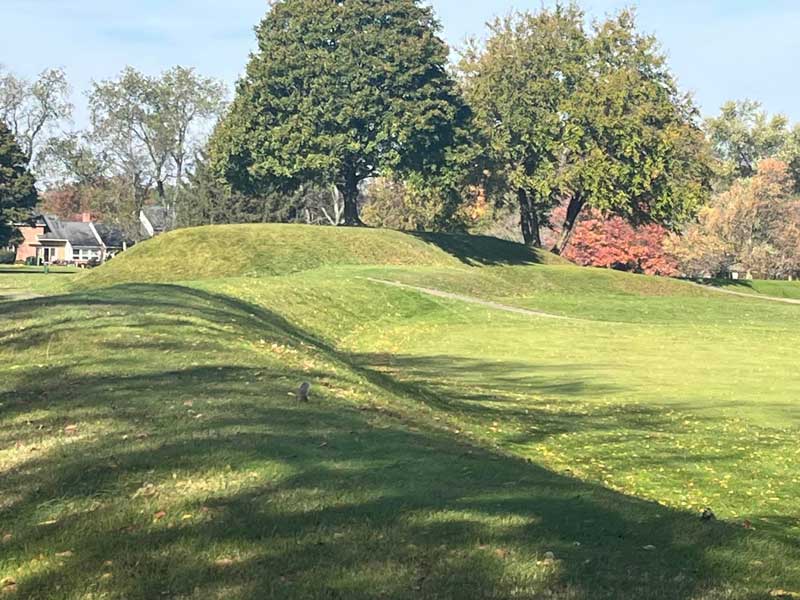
(86, 217)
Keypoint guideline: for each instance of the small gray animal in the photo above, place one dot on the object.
(303, 391)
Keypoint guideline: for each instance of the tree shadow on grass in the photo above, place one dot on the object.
(477, 250)
(265, 498)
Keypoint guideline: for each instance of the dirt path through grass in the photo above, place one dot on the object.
(746, 295)
(473, 300)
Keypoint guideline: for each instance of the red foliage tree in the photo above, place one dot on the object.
(613, 243)
(63, 202)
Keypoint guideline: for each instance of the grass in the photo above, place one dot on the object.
(259, 250)
(776, 289)
(150, 446)
(17, 282)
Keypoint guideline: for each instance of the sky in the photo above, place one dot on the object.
(719, 49)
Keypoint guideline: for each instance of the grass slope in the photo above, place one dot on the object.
(150, 446)
(258, 250)
(776, 289)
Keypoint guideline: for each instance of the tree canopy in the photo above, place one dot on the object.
(592, 116)
(17, 191)
(339, 92)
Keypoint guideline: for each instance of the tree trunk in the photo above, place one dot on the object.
(574, 209)
(529, 220)
(349, 191)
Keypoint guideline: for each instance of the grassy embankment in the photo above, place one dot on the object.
(150, 446)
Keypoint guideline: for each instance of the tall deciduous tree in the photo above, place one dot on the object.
(17, 191)
(33, 109)
(593, 117)
(151, 125)
(338, 92)
(744, 134)
(517, 84)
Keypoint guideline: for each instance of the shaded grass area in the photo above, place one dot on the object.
(150, 448)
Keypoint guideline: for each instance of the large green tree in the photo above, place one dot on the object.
(591, 117)
(340, 91)
(516, 84)
(17, 191)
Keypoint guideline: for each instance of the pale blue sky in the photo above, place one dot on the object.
(720, 49)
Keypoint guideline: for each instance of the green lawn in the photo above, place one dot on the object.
(150, 445)
(19, 282)
(777, 289)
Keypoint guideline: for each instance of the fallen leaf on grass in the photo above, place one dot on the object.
(65, 554)
(146, 491)
(224, 562)
(7, 538)
(784, 594)
(159, 515)
(71, 429)
(649, 547)
(7, 586)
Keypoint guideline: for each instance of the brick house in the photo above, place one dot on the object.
(49, 239)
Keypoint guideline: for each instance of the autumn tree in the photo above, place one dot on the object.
(614, 243)
(17, 191)
(590, 116)
(752, 226)
(339, 92)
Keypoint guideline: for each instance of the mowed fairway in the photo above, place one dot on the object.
(151, 447)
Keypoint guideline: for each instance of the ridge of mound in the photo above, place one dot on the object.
(274, 249)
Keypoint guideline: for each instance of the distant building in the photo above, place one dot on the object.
(155, 220)
(49, 239)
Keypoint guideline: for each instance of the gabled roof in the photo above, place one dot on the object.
(158, 217)
(80, 235)
(111, 236)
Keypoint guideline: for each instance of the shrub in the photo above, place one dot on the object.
(7, 257)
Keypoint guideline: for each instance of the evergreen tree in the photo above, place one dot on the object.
(340, 92)
(17, 192)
